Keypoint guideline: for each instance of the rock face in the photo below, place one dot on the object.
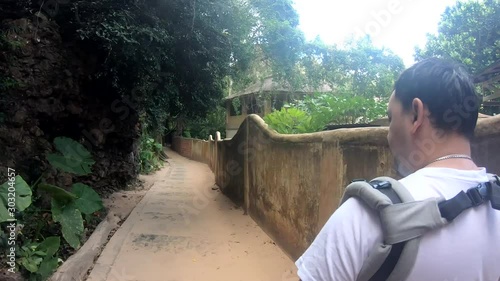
(46, 91)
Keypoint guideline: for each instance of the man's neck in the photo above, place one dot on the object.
(452, 145)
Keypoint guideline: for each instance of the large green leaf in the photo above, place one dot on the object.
(47, 267)
(38, 258)
(5, 215)
(88, 200)
(31, 263)
(23, 197)
(50, 245)
(74, 157)
(59, 194)
(71, 221)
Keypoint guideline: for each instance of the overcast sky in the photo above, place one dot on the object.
(399, 25)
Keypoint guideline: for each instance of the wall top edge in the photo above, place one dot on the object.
(485, 127)
(376, 135)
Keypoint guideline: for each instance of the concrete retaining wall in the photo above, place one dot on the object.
(291, 184)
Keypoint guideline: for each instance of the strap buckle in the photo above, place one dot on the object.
(475, 196)
(357, 180)
(377, 184)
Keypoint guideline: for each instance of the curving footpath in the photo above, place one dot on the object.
(184, 229)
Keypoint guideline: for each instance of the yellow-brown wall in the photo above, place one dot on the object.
(234, 122)
(291, 184)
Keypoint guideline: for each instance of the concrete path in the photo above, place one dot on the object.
(186, 230)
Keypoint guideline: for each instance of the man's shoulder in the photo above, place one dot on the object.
(442, 182)
(444, 173)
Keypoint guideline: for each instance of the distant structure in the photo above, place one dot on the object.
(261, 98)
(489, 81)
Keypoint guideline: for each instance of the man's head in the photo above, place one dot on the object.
(433, 101)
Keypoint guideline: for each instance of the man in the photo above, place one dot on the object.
(432, 113)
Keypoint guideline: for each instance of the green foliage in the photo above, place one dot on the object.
(469, 33)
(39, 259)
(236, 104)
(68, 207)
(73, 157)
(361, 77)
(202, 128)
(22, 197)
(70, 218)
(171, 58)
(7, 83)
(149, 154)
(292, 121)
(186, 133)
(359, 67)
(59, 194)
(87, 200)
(371, 71)
(9, 43)
(277, 33)
(342, 108)
(314, 113)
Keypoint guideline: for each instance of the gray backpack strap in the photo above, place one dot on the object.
(393, 259)
(409, 219)
(404, 221)
(404, 224)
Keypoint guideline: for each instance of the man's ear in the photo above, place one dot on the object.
(418, 114)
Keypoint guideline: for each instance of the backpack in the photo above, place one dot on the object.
(393, 259)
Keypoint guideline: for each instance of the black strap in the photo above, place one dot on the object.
(392, 259)
(389, 192)
(390, 263)
(495, 193)
(473, 197)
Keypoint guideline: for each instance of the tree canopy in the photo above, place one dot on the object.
(469, 32)
(176, 59)
(172, 57)
(362, 69)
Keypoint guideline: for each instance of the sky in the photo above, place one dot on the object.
(399, 25)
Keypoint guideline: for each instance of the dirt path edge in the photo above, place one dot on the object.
(77, 266)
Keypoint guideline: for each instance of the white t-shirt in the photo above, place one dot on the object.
(466, 249)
